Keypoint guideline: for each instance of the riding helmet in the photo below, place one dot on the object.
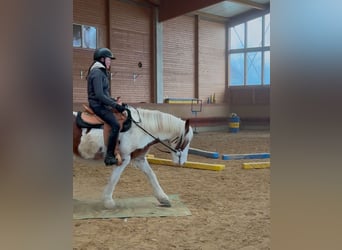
(103, 52)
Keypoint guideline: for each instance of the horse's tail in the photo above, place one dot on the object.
(77, 133)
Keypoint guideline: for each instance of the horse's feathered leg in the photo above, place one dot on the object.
(114, 178)
(143, 165)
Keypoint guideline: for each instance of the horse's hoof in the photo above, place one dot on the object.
(110, 160)
(165, 203)
(109, 204)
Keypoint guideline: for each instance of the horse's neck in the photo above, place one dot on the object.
(161, 125)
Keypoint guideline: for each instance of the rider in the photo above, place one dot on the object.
(100, 100)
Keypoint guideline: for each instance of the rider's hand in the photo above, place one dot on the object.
(120, 108)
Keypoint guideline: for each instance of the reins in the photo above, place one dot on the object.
(157, 139)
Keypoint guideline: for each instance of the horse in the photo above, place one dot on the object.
(141, 129)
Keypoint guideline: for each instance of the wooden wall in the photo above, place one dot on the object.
(131, 41)
(212, 66)
(251, 103)
(179, 57)
(91, 13)
(129, 28)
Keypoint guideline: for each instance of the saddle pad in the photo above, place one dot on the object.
(129, 207)
(82, 122)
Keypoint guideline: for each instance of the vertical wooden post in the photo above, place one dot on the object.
(196, 59)
(108, 36)
(158, 58)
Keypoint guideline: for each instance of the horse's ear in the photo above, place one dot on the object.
(187, 125)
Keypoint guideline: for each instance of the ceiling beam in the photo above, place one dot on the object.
(172, 8)
(154, 2)
(209, 17)
(249, 15)
(249, 3)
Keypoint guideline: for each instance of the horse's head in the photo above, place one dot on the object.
(182, 144)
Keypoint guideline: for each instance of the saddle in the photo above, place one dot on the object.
(88, 119)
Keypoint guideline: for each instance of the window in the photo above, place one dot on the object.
(254, 31)
(267, 67)
(253, 68)
(237, 37)
(249, 52)
(237, 69)
(84, 36)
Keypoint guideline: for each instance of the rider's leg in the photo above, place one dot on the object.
(111, 144)
(109, 118)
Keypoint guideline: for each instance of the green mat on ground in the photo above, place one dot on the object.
(129, 207)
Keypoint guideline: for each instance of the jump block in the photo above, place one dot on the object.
(245, 156)
(253, 165)
(208, 154)
(187, 164)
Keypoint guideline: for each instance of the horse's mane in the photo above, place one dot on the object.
(155, 120)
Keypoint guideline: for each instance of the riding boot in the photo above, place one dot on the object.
(110, 158)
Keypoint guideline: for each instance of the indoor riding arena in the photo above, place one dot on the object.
(230, 208)
(203, 61)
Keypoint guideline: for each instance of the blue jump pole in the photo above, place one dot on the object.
(245, 156)
(208, 154)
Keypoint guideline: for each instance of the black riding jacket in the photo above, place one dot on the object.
(98, 87)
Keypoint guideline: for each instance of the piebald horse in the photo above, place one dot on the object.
(143, 129)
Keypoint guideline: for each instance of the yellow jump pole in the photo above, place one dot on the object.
(188, 164)
(253, 165)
